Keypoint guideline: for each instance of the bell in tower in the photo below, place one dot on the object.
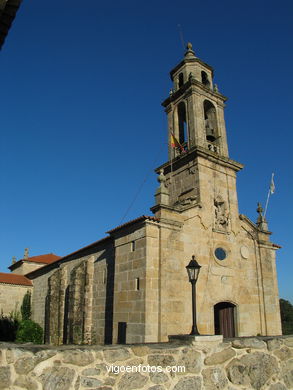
(210, 121)
(195, 107)
(197, 139)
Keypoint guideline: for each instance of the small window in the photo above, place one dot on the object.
(104, 276)
(205, 79)
(181, 79)
(137, 284)
(121, 339)
(220, 254)
(132, 246)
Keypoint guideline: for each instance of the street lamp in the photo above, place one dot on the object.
(193, 269)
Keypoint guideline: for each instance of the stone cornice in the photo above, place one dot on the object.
(188, 88)
(188, 61)
(198, 151)
(243, 217)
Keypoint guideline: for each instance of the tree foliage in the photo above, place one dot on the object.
(25, 309)
(8, 328)
(286, 316)
(29, 332)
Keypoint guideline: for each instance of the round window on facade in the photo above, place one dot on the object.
(220, 254)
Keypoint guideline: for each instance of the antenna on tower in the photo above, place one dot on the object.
(181, 36)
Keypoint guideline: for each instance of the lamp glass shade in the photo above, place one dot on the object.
(193, 269)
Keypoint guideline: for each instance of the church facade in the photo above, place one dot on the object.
(132, 286)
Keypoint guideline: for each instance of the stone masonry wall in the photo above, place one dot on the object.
(11, 296)
(241, 363)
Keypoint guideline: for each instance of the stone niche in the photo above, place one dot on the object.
(183, 188)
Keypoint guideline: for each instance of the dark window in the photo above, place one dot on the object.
(182, 123)
(47, 320)
(220, 254)
(137, 284)
(66, 316)
(104, 276)
(122, 332)
(205, 80)
(181, 80)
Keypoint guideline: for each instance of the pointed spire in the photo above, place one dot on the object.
(189, 53)
(261, 221)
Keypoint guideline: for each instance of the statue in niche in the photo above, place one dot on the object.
(221, 214)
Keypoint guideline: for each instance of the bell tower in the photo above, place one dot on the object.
(195, 107)
(197, 212)
(199, 172)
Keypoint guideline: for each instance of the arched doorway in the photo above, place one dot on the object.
(224, 316)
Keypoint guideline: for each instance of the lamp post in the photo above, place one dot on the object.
(193, 269)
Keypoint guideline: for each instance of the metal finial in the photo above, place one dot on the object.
(13, 260)
(189, 52)
(259, 209)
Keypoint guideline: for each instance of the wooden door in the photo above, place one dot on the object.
(225, 319)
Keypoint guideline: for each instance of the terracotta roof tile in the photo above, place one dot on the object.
(43, 259)
(14, 279)
(60, 259)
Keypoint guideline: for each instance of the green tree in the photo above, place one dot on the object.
(286, 309)
(8, 328)
(25, 309)
(29, 332)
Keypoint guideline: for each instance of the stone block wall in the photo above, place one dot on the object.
(11, 296)
(130, 285)
(26, 267)
(236, 364)
(73, 301)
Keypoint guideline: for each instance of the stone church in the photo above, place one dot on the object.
(132, 285)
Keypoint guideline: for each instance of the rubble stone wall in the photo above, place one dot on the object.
(262, 363)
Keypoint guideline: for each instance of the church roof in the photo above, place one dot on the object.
(14, 279)
(43, 259)
(34, 273)
(133, 221)
(47, 266)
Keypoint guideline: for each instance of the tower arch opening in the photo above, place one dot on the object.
(210, 118)
(180, 80)
(182, 123)
(205, 80)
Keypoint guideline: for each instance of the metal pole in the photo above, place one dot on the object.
(194, 330)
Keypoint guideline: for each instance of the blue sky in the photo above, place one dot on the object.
(82, 125)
